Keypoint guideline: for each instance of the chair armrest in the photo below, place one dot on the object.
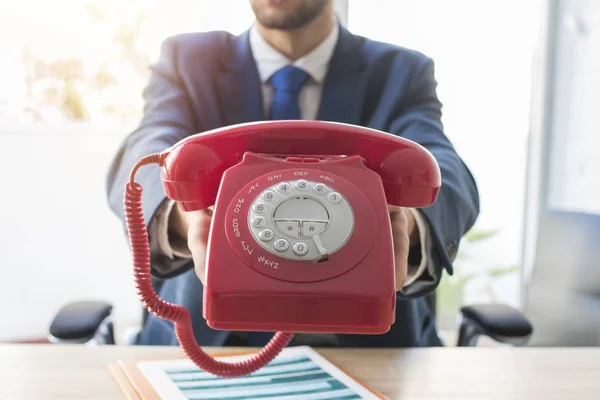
(82, 322)
(500, 322)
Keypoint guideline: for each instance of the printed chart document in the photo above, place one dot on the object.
(296, 373)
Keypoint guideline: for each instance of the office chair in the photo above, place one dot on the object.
(499, 322)
(90, 322)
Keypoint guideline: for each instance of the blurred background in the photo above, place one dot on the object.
(519, 82)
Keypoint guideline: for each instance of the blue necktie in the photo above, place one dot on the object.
(287, 83)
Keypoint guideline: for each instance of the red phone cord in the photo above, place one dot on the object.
(138, 238)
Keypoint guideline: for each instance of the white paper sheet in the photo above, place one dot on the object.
(296, 373)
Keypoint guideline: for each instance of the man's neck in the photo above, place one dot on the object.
(294, 44)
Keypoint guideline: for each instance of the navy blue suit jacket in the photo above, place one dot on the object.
(204, 81)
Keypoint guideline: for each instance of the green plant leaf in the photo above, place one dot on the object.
(476, 235)
(500, 271)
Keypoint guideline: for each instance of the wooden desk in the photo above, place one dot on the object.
(76, 372)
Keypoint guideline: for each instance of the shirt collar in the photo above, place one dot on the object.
(269, 60)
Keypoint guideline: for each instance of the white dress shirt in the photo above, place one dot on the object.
(268, 61)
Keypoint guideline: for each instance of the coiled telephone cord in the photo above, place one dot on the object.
(140, 249)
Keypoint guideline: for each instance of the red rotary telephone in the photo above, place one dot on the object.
(300, 239)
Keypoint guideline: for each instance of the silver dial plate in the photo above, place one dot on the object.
(301, 220)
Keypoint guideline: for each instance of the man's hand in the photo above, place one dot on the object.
(403, 232)
(195, 225)
(198, 239)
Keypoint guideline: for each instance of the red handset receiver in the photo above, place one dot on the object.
(300, 238)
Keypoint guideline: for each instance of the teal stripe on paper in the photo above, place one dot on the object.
(335, 386)
(276, 362)
(265, 371)
(302, 365)
(316, 375)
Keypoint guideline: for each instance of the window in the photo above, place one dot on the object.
(74, 60)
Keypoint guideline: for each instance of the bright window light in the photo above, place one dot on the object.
(75, 60)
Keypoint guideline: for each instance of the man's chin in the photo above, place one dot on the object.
(275, 3)
(282, 24)
(288, 14)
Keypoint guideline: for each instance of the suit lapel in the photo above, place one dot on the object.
(238, 84)
(345, 82)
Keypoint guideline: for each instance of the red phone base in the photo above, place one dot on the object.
(251, 289)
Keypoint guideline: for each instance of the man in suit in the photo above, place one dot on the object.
(295, 62)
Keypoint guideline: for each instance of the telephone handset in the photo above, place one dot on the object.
(300, 239)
